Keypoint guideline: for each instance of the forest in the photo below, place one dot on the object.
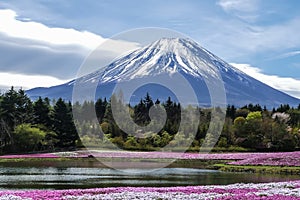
(46, 125)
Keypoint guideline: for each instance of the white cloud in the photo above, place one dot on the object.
(288, 85)
(50, 55)
(245, 10)
(236, 39)
(289, 54)
(239, 5)
(28, 81)
(36, 31)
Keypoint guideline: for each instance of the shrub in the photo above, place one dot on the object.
(28, 138)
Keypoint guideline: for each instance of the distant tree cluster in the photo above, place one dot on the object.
(251, 127)
(48, 126)
(140, 115)
(257, 128)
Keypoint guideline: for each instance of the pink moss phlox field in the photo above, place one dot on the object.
(281, 190)
(157, 154)
(42, 155)
(272, 159)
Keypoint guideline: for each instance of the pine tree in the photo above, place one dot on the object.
(157, 101)
(140, 111)
(230, 111)
(100, 108)
(41, 112)
(63, 124)
(148, 104)
(148, 101)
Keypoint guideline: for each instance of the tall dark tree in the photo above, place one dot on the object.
(24, 108)
(87, 111)
(148, 104)
(63, 124)
(148, 101)
(100, 108)
(230, 111)
(5, 132)
(140, 113)
(108, 118)
(41, 112)
(173, 116)
(157, 101)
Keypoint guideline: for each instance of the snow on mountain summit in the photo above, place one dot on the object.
(167, 55)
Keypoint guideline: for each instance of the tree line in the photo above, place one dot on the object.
(248, 128)
(45, 125)
(34, 126)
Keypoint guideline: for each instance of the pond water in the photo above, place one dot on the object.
(85, 177)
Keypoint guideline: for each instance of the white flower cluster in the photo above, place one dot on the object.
(13, 197)
(282, 191)
(66, 154)
(146, 196)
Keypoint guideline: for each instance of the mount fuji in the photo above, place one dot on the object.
(164, 58)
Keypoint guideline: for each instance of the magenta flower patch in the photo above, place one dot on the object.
(281, 190)
(42, 155)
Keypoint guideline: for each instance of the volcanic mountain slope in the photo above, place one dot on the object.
(169, 56)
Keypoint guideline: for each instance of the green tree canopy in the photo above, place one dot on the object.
(28, 138)
(254, 116)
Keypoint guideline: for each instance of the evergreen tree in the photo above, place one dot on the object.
(100, 108)
(16, 109)
(230, 111)
(41, 112)
(157, 101)
(108, 119)
(63, 124)
(140, 113)
(148, 101)
(283, 108)
(173, 116)
(24, 108)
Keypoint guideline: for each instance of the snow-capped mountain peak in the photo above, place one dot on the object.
(167, 55)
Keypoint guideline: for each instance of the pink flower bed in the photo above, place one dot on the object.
(42, 155)
(281, 190)
(272, 159)
(160, 155)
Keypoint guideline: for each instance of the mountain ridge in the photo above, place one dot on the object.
(176, 55)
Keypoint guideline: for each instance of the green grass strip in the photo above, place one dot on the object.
(259, 169)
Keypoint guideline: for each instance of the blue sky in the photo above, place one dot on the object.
(51, 38)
